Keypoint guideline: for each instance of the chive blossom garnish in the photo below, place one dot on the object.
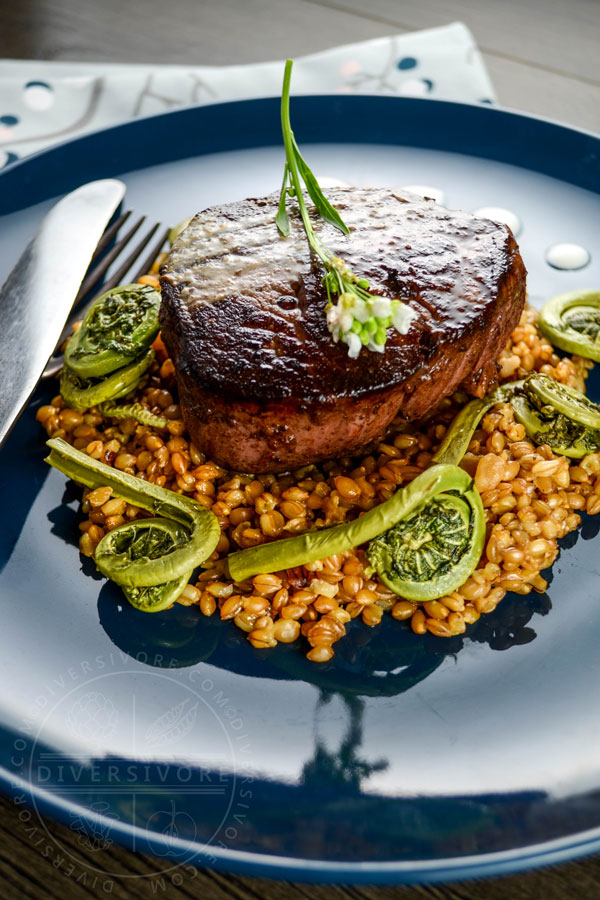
(357, 317)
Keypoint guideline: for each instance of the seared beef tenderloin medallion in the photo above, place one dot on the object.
(262, 385)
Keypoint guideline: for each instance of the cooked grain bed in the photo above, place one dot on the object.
(531, 496)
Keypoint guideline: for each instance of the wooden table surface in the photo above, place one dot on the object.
(542, 56)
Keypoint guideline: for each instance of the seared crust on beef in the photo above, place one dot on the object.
(262, 385)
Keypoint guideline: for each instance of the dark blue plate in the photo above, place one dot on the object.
(405, 759)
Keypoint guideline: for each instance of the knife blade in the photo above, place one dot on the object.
(37, 297)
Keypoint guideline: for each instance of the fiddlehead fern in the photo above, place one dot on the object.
(572, 322)
(441, 506)
(115, 331)
(152, 559)
(437, 542)
(550, 412)
(82, 393)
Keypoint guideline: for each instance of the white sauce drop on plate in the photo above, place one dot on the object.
(567, 256)
(501, 215)
(38, 96)
(425, 190)
(327, 182)
(414, 87)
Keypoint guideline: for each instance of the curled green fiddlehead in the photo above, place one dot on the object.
(438, 540)
(442, 498)
(550, 412)
(115, 331)
(152, 559)
(81, 393)
(156, 597)
(557, 415)
(572, 322)
(143, 540)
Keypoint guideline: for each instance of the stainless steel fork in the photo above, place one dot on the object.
(126, 273)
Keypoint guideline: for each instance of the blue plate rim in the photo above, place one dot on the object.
(492, 144)
(261, 864)
(495, 107)
(321, 871)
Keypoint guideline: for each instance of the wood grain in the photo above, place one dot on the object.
(557, 36)
(543, 58)
(33, 865)
(182, 31)
(543, 93)
(542, 55)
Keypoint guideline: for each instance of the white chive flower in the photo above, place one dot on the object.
(402, 316)
(354, 344)
(381, 307)
(362, 323)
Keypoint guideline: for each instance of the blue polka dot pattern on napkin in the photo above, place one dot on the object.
(44, 102)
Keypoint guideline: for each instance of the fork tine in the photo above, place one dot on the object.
(115, 279)
(154, 251)
(119, 275)
(98, 271)
(109, 235)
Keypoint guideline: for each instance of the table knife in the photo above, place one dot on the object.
(37, 297)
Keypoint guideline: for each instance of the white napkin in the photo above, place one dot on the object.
(42, 103)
